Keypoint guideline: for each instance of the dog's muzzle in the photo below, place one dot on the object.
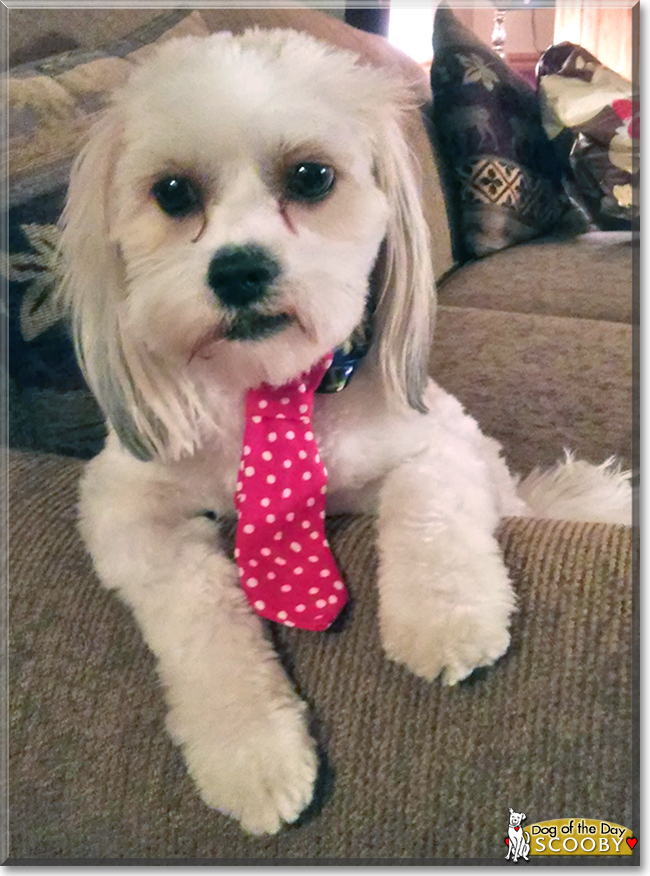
(242, 275)
(242, 278)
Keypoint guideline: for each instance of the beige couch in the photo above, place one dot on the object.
(537, 342)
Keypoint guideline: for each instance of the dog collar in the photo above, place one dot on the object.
(347, 358)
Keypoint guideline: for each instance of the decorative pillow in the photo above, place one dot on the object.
(52, 103)
(592, 117)
(503, 177)
(50, 407)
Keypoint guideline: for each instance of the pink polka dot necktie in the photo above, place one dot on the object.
(285, 565)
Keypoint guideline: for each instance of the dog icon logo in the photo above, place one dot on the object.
(518, 840)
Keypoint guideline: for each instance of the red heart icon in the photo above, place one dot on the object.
(631, 841)
(516, 828)
(507, 841)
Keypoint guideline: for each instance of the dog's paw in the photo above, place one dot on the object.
(263, 777)
(452, 643)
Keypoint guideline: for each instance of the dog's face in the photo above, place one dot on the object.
(224, 221)
(516, 818)
(245, 207)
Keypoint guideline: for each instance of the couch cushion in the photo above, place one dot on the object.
(540, 383)
(590, 277)
(549, 729)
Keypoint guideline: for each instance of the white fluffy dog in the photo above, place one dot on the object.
(276, 142)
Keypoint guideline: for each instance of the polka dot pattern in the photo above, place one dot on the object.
(280, 530)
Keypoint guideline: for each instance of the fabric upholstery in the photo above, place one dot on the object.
(537, 342)
(591, 276)
(94, 776)
(540, 384)
(51, 31)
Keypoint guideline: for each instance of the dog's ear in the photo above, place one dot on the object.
(406, 306)
(512, 811)
(92, 276)
(138, 399)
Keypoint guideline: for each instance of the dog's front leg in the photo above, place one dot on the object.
(444, 594)
(231, 708)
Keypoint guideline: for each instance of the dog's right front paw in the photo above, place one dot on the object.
(263, 778)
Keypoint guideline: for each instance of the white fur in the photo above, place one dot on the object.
(394, 443)
(575, 490)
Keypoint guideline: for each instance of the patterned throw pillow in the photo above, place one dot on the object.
(50, 407)
(52, 103)
(503, 178)
(592, 117)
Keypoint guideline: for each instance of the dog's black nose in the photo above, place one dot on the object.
(241, 275)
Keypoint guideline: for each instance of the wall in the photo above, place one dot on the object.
(605, 32)
(529, 31)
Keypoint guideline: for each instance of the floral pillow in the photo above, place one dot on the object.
(504, 180)
(592, 117)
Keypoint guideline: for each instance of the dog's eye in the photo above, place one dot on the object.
(309, 181)
(177, 195)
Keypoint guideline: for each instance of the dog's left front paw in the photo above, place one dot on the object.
(453, 643)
